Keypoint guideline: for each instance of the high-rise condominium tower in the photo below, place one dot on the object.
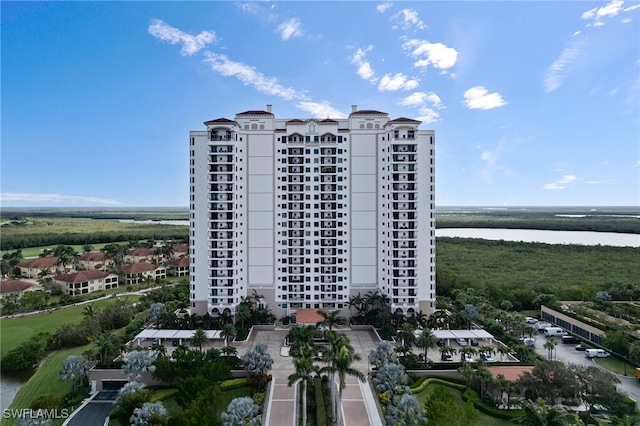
(309, 212)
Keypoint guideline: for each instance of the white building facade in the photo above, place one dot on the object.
(310, 212)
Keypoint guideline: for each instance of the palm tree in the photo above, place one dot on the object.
(538, 414)
(503, 350)
(342, 365)
(138, 362)
(305, 370)
(447, 350)
(243, 311)
(241, 411)
(331, 318)
(329, 356)
(300, 337)
(199, 338)
(407, 334)
(550, 345)
(426, 340)
(74, 368)
(228, 332)
(466, 351)
(467, 372)
(506, 386)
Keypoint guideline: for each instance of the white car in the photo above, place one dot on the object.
(461, 342)
(486, 357)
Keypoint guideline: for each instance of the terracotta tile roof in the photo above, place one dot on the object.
(510, 372)
(308, 316)
(368, 112)
(81, 276)
(137, 268)
(95, 256)
(40, 263)
(13, 286)
(181, 248)
(179, 263)
(255, 112)
(219, 120)
(404, 119)
(140, 252)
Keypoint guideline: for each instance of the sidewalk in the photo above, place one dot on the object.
(358, 402)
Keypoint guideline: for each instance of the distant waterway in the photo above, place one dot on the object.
(10, 384)
(157, 222)
(543, 236)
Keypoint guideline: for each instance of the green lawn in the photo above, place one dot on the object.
(33, 252)
(14, 331)
(617, 366)
(45, 380)
(482, 420)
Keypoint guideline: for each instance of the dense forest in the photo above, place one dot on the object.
(22, 232)
(519, 272)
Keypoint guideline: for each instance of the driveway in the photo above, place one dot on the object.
(95, 411)
(567, 354)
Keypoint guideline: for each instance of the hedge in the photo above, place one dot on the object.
(321, 412)
(234, 383)
(474, 397)
(162, 394)
(424, 382)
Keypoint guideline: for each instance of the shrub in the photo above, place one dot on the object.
(472, 396)
(47, 401)
(234, 383)
(321, 412)
(258, 398)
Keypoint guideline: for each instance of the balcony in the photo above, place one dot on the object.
(328, 151)
(296, 169)
(295, 160)
(295, 206)
(221, 178)
(221, 187)
(225, 148)
(221, 158)
(296, 188)
(405, 167)
(296, 224)
(328, 178)
(404, 148)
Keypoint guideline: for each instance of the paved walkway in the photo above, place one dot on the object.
(358, 402)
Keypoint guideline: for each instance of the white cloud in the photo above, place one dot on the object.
(630, 8)
(395, 82)
(290, 28)
(190, 44)
(365, 70)
(428, 115)
(609, 10)
(250, 77)
(560, 183)
(436, 54)
(479, 98)
(409, 18)
(420, 99)
(55, 198)
(382, 8)
(320, 109)
(558, 70)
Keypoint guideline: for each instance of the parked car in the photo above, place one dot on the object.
(486, 357)
(466, 358)
(530, 320)
(176, 342)
(596, 353)
(580, 347)
(440, 342)
(474, 342)
(445, 357)
(567, 338)
(461, 342)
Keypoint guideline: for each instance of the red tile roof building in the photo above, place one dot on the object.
(32, 268)
(84, 282)
(16, 287)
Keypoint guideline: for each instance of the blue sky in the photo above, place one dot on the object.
(533, 103)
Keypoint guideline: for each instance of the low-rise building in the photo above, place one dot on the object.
(141, 254)
(137, 273)
(17, 288)
(93, 260)
(33, 268)
(179, 267)
(84, 282)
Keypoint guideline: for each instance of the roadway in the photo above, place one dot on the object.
(567, 354)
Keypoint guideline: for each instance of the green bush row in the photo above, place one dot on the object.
(321, 413)
(234, 383)
(474, 397)
(423, 382)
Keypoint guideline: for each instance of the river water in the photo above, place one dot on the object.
(542, 236)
